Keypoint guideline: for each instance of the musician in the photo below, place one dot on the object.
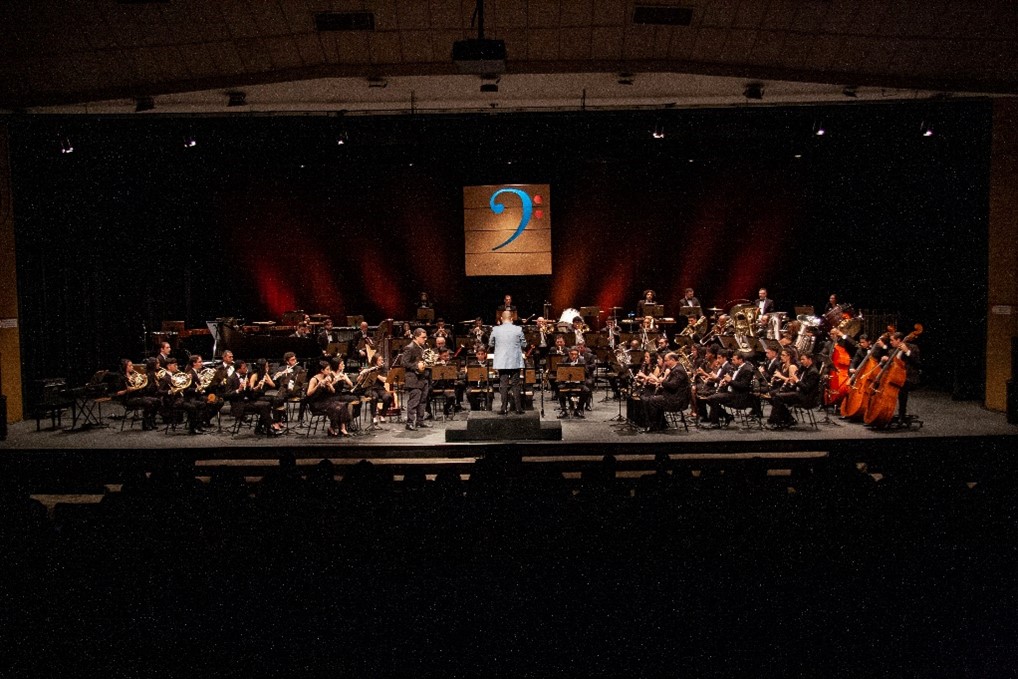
(661, 345)
(328, 335)
(238, 393)
(689, 300)
(862, 350)
(425, 302)
(477, 333)
(441, 330)
(559, 348)
(451, 389)
(480, 389)
(344, 388)
(690, 330)
(734, 390)
(379, 389)
(290, 379)
(832, 302)
(612, 332)
(787, 343)
(507, 343)
(649, 299)
(302, 332)
(671, 393)
(574, 359)
(364, 342)
(417, 380)
(579, 327)
(441, 344)
(143, 397)
(707, 381)
(164, 354)
(802, 389)
(208, 404)
(909, 354)
(764, 304)
(770, 366)
(647, 327)
(174, 399)
(507, 305)
(322, 400)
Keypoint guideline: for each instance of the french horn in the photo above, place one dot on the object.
(137, 380)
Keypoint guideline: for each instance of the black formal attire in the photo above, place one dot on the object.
(145, 399)
(912, 363)
(417, 384)
(805, 393)
(584, 390)
(378, 392)
(738, 393)
(237, 394)
(642, 305)
(689, 303)
(327, 337)
(764, 306)
(672, 396)
(328, 403)
(480, 393)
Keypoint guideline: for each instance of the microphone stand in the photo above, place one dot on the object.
(542, 392)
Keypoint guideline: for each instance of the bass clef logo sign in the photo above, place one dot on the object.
(507, 229)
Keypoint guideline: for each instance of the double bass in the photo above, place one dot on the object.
(883, 399)
(853, 406)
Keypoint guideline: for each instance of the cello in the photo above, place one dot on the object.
(883, 399)
(853, 406)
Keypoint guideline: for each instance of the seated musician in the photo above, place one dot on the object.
(802, 388)
(734, 390)
(706, 380)
(770, 365)
(477, 332)
(506, 305)
(328, 335)
(441, 330)
(173, 399)
(573, 359)
(344, 387)
(579, 327)
(164, 354)
(139, 391)
(451, 389)
(207, 404)
(480, 393)
(441, 344)
(649, 299)
(788, 342)
(671, 393)
(322, 400)
(238, 391)
(612, 333)
(290, 381)
(406, 331)
(380, 390)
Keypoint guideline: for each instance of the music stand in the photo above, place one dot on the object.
(441, 373)
(655, 310)
(690, 311)
(591, 312)
(426, 314)
(683, 341)
(337, 348)
(804, 310)
(570, 373)
(553, 361)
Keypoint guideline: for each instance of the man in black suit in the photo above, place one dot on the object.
(689, 300)
(671, 393)
(735, 390)
(806, 393)
(327, 336)
(909, 354)
(417, 382)
(764, 304)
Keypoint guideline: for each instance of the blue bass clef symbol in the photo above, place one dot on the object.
(498, 208)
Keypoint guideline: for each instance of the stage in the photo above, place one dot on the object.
(961, 429)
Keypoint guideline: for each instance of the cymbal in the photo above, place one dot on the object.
(715, 309)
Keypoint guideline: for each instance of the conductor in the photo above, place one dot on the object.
(507, 342)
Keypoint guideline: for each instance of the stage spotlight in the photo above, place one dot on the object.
(927, 129)
(342, 138)
(659, 131)
(819, 129)
(66, 146)
(189, 141)
(236, 99)
(144, 104)
(753, 91)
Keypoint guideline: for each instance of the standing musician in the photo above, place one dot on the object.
(139, 391)
(801, 389)
(671, 393)
(863, 348)
(322, 400)
(689, 300)
(417, 381)
(238, 392)
(507, 343)
(909, 354)
(764, 304)
(328, 335)
(649, 299)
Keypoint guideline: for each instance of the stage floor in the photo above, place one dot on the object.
(942, 418)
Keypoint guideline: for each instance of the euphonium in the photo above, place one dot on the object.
(137, 380)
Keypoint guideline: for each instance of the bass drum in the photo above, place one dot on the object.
(565, 321)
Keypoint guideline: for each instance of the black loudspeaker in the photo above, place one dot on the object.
(3, 418)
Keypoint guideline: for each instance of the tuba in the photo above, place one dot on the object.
(744, 319)
(137, 380)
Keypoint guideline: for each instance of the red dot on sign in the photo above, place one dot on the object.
(537, 199)
(538, 214)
